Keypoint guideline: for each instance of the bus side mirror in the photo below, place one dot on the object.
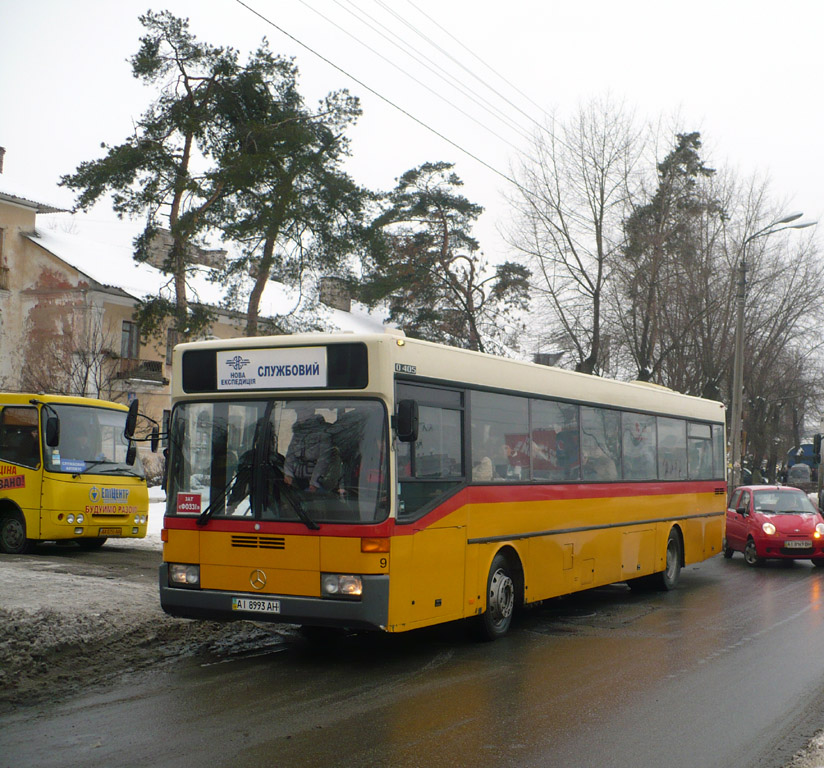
(155, 439)
(131, 419)
(131, 454)
(406, 421)
(52, 430)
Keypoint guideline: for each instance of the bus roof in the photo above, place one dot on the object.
(25, 398)
(393, 355)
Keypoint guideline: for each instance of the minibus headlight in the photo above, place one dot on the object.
(80, 519)
(70, 519)
(341, 585)
(184, 575)
(137, 519)
(768, 528)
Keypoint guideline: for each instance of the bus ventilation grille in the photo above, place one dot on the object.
(720, 491)
(259, 542)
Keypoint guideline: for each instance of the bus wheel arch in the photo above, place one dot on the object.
(13, 539)
(504, 594)
(673, 559)
(673, 563)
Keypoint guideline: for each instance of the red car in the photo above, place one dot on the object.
(772, 521)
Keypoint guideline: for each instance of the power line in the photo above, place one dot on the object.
(435, 69)
(404, 72)
(380, 96)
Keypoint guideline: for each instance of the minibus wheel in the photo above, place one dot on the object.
(13, 539)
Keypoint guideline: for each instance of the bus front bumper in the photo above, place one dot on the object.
(370, 612)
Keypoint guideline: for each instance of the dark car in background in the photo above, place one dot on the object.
(801, 476)
(773, 522)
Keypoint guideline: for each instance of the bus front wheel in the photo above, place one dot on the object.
(13, 539)
(500, 600)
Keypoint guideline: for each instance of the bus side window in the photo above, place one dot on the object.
(19, 441)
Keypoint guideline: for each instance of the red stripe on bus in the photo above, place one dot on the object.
(473, 494)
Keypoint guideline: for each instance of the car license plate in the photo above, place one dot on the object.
(798, 544)
(255, 605)
(110, 532)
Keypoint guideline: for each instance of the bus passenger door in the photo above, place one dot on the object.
(20, 463)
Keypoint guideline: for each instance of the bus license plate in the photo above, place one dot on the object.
(798, 544)
(255, 605)
(110, 532)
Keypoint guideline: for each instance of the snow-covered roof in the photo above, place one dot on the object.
(103, 251)
(26, 202)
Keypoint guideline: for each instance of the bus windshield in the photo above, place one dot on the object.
(91, 440)
(310, 461)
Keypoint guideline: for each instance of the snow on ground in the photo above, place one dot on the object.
(58, 604)
(49, 587)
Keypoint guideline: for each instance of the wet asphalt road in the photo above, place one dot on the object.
(727, 670)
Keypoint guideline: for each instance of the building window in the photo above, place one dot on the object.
(129, 341)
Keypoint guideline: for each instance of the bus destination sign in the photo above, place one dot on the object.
(282, 368)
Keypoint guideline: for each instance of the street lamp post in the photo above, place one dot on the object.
(738, 360)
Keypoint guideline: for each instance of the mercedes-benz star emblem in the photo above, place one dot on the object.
(257, 579)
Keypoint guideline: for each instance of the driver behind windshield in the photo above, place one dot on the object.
(309, 455)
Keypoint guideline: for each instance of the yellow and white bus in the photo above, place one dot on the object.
(68, 472)
(382, 482)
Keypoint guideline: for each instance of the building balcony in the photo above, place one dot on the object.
(144, 370)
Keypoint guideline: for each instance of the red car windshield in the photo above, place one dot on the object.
(788, 502)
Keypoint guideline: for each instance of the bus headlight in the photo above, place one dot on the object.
(341, 585)
(768, 528)
(70, 519)
(184, 575)
(80, 519)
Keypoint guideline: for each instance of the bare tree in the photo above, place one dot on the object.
(574, 193)
(77, 360)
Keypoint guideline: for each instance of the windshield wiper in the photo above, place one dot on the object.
(92, 465)
(294, 500)
(204, 516)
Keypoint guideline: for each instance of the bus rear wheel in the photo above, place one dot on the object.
(668, 578)
(13, 539)
(500, 600)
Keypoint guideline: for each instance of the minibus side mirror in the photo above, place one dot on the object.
(52, 430)
(131, 419)
(155, 439)
(131, 454)
(406, 421)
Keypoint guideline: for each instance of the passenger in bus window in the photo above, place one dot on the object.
(309, 455)
(29, 449)
(483, 471)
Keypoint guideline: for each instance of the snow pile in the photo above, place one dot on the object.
(62, 631)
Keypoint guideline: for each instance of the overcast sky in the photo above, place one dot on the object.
(746, 74)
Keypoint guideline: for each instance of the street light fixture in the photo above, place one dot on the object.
(785, 222)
